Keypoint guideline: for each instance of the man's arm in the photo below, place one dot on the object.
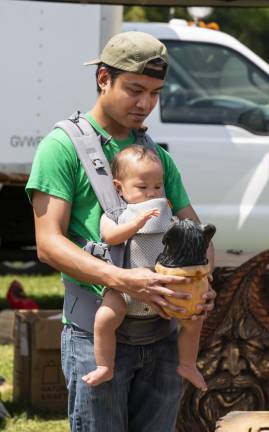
(52, 217)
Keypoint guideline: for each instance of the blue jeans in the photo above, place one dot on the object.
(143, 395)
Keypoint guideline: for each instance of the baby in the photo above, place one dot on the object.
(138, 178)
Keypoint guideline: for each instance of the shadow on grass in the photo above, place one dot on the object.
(18, 410)
(49, 301)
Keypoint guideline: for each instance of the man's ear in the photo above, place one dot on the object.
(118, 187)
(103, 78)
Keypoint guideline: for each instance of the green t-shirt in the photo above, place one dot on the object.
(57, 171)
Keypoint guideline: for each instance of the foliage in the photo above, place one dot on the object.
(150, 13)
(249, 25)
(135, 13)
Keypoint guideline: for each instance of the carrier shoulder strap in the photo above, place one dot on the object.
(89, 150)
(144, 139)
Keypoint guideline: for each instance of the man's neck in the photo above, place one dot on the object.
(114, 129)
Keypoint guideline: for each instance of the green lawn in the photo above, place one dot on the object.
(48, 292)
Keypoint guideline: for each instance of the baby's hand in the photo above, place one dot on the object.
(144, 217)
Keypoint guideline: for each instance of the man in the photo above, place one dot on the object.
(144, 393)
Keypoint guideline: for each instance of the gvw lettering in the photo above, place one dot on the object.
(25, 141)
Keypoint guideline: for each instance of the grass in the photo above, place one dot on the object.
(22, 424)
(48, 293)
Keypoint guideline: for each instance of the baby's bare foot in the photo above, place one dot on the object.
(98, 376)
(191, 373)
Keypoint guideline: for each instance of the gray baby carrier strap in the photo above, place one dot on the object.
(90, 152)
(80, 305)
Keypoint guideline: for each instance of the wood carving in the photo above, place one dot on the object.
(234, 349)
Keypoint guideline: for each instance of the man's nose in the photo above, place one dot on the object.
(144, 103)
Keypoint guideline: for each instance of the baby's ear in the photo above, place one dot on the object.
(208, 230)
(117, 185)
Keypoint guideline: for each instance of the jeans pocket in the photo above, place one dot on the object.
(80, 333)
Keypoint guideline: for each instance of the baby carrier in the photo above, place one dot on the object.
(80, 304)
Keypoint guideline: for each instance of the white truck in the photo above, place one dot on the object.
(213, 114)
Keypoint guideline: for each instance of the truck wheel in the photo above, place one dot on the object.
(27, 268)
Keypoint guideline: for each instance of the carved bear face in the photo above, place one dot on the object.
(185, 244)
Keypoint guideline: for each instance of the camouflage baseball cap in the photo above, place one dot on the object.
(132, 51)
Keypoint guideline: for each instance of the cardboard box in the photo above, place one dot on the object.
(7, 318)
(38, 381)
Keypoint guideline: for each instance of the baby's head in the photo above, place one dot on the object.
(138, 174)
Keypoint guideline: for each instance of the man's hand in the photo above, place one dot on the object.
(149, 287)
(208, 305)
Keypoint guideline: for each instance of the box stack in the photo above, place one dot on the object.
(38, 379)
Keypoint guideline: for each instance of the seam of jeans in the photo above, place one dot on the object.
(63, 349)
(73, 356)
